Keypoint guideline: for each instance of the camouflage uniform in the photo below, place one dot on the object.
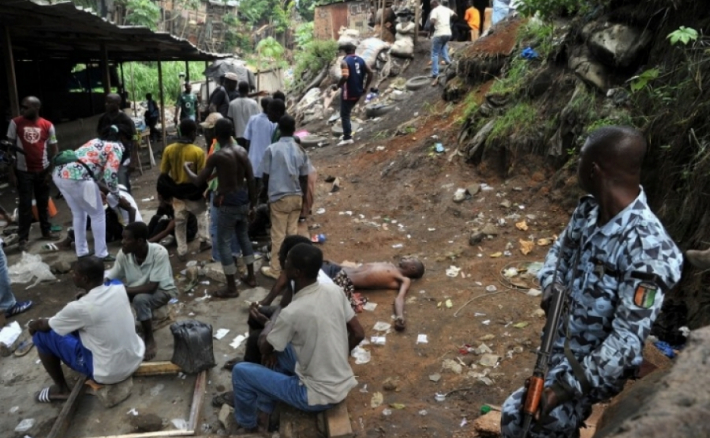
(624, 269)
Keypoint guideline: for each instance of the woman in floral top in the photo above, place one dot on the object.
(82, 182)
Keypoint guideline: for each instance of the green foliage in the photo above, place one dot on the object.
(235, 37)
(470, 106)
(306, 9)
(145, 78)
(539, 35)
(514, 78)
(272, 52)
(314, 56)
(619, 118)
(683, 35)
(520, 118)
(142, 13)
(548, 9)
(640, 82)
(304, 34)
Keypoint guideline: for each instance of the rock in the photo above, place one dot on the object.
(459, 195)
(506, 204)
(146, 423)
(60, 267)
(588, 69)
(452, 365)
(226, 416)
(616, 45)
(473, 189)
(111, 395)
(489, 360)
(214, 271)
(476, 237)
(435, 377)
(488, 425)
(336, 185)
(192, 273)
(390, 384)
(475, 146)
(490, 230)
(483, 349)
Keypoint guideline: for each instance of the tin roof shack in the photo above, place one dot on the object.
(42, 44)
(330, 18)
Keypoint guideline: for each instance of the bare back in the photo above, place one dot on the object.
(375, 276)
(233, 169)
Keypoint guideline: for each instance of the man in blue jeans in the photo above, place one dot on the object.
(235, 199)
(8, 304)
(352, 82)
(304, 348)
(440, 19)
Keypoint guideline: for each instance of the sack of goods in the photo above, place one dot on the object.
(348, 36)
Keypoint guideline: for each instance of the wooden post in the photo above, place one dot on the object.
(133, 92)
(187, 72)
(162, 100)
(207, 87)
(10, 70)
(382, 21)
(106, 76)
(91, 88)
(417, 19)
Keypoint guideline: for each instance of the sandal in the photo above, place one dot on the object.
(19, 307)
(24, 348)
(44, 396)
(225, 398)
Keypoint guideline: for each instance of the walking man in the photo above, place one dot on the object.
(37, 140)
(617, 262)
(187, 198)
(352, 83)
(284, 170)
(235, 199)
(440, 18)
(186, 105)
(258, 137)
(240, 111)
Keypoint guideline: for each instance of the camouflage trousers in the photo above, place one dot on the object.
(563, 422)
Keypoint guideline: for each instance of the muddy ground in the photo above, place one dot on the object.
(395, 200)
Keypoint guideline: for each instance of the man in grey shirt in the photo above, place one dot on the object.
(284, 168)
(306, 344)
(240, 111)
(93, 335)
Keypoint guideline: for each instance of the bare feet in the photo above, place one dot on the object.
(400, 324)
(226, 293)
(151, 349)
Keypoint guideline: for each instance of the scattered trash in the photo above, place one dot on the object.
(482, 349)
(14, 409)
(435, 377)
(510, 273)
(460, 195)
(360, 355)
(487, 337)
(507, 254)
(364, 389)
(522, 226)
(10, 333)
(423, 412)
(397, 245)
(381, 326)
(491, 288)
(521, 325)
(370, 306)
(486, 322)
(452, 365)
(221, 333)
(398, 406)
(320, 211)
(25, 425)
(154, 391)
(378, 340)
(544, 241)
(453, 271)
(538, 313)
(30, 267)
(534, 292)
(506, 203)
(463, 422)
(236, 342)
(318, 238)
(440, 397)
(489, 360)
(390, 384)
(449, 304)
(179, 423)
(439, 148)
(132, 412)
(387, 412)
(529, 53)
(380, 148)
(376, 400)
(422, 339)
(526, 246)
(496, 255)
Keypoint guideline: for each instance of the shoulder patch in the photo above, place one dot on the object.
(645, 294)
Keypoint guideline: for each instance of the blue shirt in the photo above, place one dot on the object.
(284, 162)
(625, 267)
(258, 131)
(354, 86)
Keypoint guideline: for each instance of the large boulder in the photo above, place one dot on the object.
(616, 45)
(587, 68)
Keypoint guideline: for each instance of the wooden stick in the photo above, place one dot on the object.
(198, 399)
(60, 426)
(156, 369)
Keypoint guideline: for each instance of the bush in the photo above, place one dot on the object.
(145, 79)
(314, 56)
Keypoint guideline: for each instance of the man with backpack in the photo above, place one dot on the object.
(352, 83)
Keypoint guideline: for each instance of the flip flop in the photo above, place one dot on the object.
(19, 307)
(24, 348)
(45, 397)
(50, 247)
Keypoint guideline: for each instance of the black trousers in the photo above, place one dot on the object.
(252, 353)
(32, 185)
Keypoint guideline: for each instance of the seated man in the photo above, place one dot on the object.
(93, 335)
(161, 228)
(307, 345)
(145, 269)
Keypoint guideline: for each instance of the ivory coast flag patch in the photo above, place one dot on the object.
(645, 295)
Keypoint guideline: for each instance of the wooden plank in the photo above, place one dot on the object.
(198, 399)
(62, 423)
(156, 369)
(9, 59)
(338, 421)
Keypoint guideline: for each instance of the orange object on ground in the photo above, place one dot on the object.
(51, 209)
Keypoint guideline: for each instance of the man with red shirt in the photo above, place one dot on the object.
(35, 136)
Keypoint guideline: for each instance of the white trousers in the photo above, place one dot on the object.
(84, 200)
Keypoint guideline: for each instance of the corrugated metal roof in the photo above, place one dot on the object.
(63, 31)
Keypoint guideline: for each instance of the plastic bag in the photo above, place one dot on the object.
(30, 267)
(348, 36)
(193, 351)
(403, 48)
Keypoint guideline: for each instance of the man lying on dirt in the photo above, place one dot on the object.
(620, 262)
(306, 345)
(145, 270)
(93, 335)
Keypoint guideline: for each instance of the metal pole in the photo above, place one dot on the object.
(10, 70)
(105, 70)
(162, 99)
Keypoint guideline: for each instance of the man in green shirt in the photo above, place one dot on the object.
(186, 105)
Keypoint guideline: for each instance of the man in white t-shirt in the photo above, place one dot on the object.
(145, 269)
(306, 344)
(440, 19)
(93, 335)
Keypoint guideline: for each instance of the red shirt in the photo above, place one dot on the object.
(32, 136)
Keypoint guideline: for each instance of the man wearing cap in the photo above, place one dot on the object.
(240, 110)
(219, 101)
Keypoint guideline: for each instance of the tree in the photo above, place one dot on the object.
(306, 9)
(142, 13)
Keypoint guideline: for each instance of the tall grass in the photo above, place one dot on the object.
(144, 79)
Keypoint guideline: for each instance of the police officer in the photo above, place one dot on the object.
(620, 262)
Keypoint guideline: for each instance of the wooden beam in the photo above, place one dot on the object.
(9, 60)
(156, 369)
(337, 421)
(198, 400)
(162, 103)
(417, 20)
(105, 69)
(62, 423)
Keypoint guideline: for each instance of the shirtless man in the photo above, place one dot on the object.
(235, 198)
(370, 276)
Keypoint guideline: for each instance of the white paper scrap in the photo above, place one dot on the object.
(221, 333)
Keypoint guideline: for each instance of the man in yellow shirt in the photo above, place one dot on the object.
(473, 18)
(187, 198)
